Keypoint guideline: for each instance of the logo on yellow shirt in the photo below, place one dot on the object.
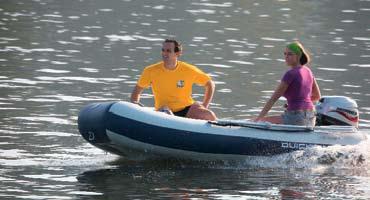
(180, 83)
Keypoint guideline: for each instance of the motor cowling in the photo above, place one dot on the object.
(337, 110)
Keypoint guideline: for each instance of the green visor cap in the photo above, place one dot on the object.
(295, 48)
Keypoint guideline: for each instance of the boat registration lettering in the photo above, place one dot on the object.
(294, 145)
(91, 136)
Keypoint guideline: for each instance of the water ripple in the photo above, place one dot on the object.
(361, 38)
(349, 11)
(52, 177)
(51, 21)
(21, 80)
(333, 69)
(8, 39)
(54, 120)
(206, 21)
(201, 11)
(20, 49)
(79, 78)
(224, 5)
(214, 65)
(85, 38)
(131, 38)
(273, 39)
(53, 71)
(91, 70)
(65, 98)
(241, 62)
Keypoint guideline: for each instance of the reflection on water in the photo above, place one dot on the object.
(59, 56)
(210, 181)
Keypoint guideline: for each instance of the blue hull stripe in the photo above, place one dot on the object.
(192, 141)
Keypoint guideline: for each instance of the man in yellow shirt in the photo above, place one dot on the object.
(172, 80)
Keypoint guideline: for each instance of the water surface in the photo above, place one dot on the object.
(57, 56)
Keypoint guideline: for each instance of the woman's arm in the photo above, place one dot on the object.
(316, 94)
(279, 91)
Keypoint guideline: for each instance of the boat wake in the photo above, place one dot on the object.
(337, 157)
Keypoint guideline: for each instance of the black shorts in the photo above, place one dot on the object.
(183, 112)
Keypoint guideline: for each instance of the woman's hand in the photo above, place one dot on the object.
(257, 119)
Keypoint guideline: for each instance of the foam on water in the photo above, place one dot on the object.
(315, 158)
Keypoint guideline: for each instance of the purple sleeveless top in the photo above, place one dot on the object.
(298, 94)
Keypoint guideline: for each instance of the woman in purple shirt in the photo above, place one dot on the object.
(299, 87)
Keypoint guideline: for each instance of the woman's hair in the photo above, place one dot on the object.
(305, 57)
(178, 46)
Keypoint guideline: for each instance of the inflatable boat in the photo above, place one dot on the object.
(139, 133)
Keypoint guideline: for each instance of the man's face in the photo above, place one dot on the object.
(168, 51)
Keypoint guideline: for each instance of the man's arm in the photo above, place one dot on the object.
(208, 94)
(135, 95)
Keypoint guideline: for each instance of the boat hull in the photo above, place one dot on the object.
(141, 133)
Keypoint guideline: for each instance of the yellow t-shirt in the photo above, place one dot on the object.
(172, 88)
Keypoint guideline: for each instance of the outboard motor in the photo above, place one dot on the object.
(337, 110)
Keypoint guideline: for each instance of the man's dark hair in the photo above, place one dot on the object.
(178, 46)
